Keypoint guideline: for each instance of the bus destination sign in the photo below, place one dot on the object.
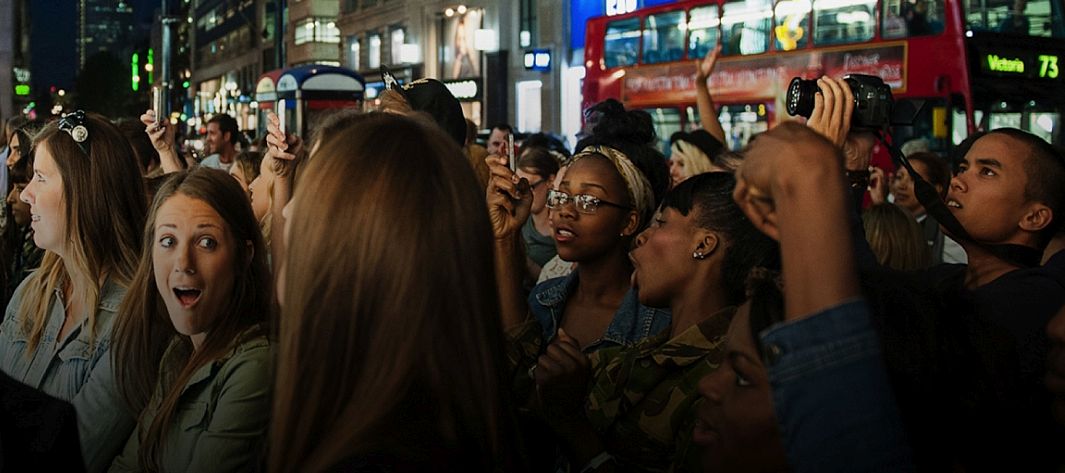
(1021, 64)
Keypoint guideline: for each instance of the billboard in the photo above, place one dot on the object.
(458, 58)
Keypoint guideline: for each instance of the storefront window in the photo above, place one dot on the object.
(663, 37)
(844, 21)
(745, 26)
(622, 42)
(703, 30)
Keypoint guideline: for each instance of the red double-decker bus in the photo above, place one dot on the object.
(967, 64)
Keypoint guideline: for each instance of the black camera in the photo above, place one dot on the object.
(872, 100)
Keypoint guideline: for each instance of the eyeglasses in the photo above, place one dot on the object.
(74, 124)
(584, 203)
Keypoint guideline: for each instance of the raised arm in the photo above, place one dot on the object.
(707, 111)
(509, 204)
(162, 135)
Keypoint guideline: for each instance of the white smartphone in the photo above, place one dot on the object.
(157, 103)
(281, 115)
(510, 153)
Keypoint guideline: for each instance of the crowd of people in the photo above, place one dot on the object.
(387, 295)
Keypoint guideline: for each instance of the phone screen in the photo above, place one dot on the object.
(157, 103)
(510, 153)
(281, 115)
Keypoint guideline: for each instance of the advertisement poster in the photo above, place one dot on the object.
(764, 76)
(458, 58)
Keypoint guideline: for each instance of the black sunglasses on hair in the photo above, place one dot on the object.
(74, 124)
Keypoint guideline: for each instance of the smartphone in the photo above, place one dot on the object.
(510, 153)
(157, 103)
(281, 116)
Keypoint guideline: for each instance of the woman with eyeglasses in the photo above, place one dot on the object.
(87, 210)
(539, 167)
(606, 198)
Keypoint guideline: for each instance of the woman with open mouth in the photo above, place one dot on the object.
(87, 206)
(191, 353)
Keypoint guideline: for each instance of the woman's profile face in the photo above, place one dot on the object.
(260, 189)
(44, 194)
(581, 236)
(735, 424)
(662, 260)
(194, 255)
(540, 186)
(676, 168)
(16, 151)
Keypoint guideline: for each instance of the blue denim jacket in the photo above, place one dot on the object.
(632, 322)
(831, 394)
(77, 369)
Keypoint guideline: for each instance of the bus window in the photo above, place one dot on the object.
(844, 21)
(703, 31)
(745, 26)
(691, 116)
(793, 24)
(663, 37)
(666, 122)
(901, 18)
(1016, 17)
(922, 131)
(622, 42)
(742, 121)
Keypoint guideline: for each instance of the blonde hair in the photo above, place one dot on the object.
(695, 160)
(106, 204)
(393, 101)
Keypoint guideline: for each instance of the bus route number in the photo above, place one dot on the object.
(1048, 66)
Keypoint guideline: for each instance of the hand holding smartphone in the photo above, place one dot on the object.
(158, 106)
(281, 117)
(510, 153)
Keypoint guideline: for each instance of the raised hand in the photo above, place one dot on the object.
(509, 198)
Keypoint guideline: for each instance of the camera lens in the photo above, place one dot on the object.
(800, 98)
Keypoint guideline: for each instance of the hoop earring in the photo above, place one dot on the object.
(698, 255)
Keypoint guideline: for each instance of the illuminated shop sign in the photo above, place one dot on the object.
(466, 89)
(538, 60)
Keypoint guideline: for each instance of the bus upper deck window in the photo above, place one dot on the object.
(745, 26)
(663, 37)
(622, 42)
(793, 24)
(844, 21)
(1016, 17)
(703, 30)
(901, 18)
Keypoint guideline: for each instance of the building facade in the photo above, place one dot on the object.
(103, 26)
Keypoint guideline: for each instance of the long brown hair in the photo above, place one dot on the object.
(144, 331)
(390, 309)
(105, 205)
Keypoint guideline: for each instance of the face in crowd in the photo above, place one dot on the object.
(216, 140)
(193, 256)
(902, 188)
(735, 424)
(44, 195)
(662, 261)
(497, 142)
(583, 233)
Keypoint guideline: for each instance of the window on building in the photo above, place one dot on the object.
(745, 26)
(622, 42)
(397, 37)
(352, 51)
(374, 60)
(703, 32)
(663, 37)
(792, 28)
(528, 24)
(317, 30)
(844, 21)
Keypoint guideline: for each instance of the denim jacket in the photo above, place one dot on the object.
(632, 322)
(220, 421)
(77, 369)
(835, 406)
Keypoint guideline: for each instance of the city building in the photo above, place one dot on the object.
(15, 84)
(103, 25)
(312, 36)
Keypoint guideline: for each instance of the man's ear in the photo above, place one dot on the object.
(631, 224)
(1036, 218)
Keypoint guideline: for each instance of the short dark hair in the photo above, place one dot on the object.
(540, 161)
(228, 124)
(938, 170)
(709, 195)
(1045, 167)
(504, 127)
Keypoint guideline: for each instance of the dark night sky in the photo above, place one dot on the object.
(52, 40)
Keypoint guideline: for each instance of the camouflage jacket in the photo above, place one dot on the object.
(641, 399)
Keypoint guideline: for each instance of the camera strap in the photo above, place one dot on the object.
(935, 208)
